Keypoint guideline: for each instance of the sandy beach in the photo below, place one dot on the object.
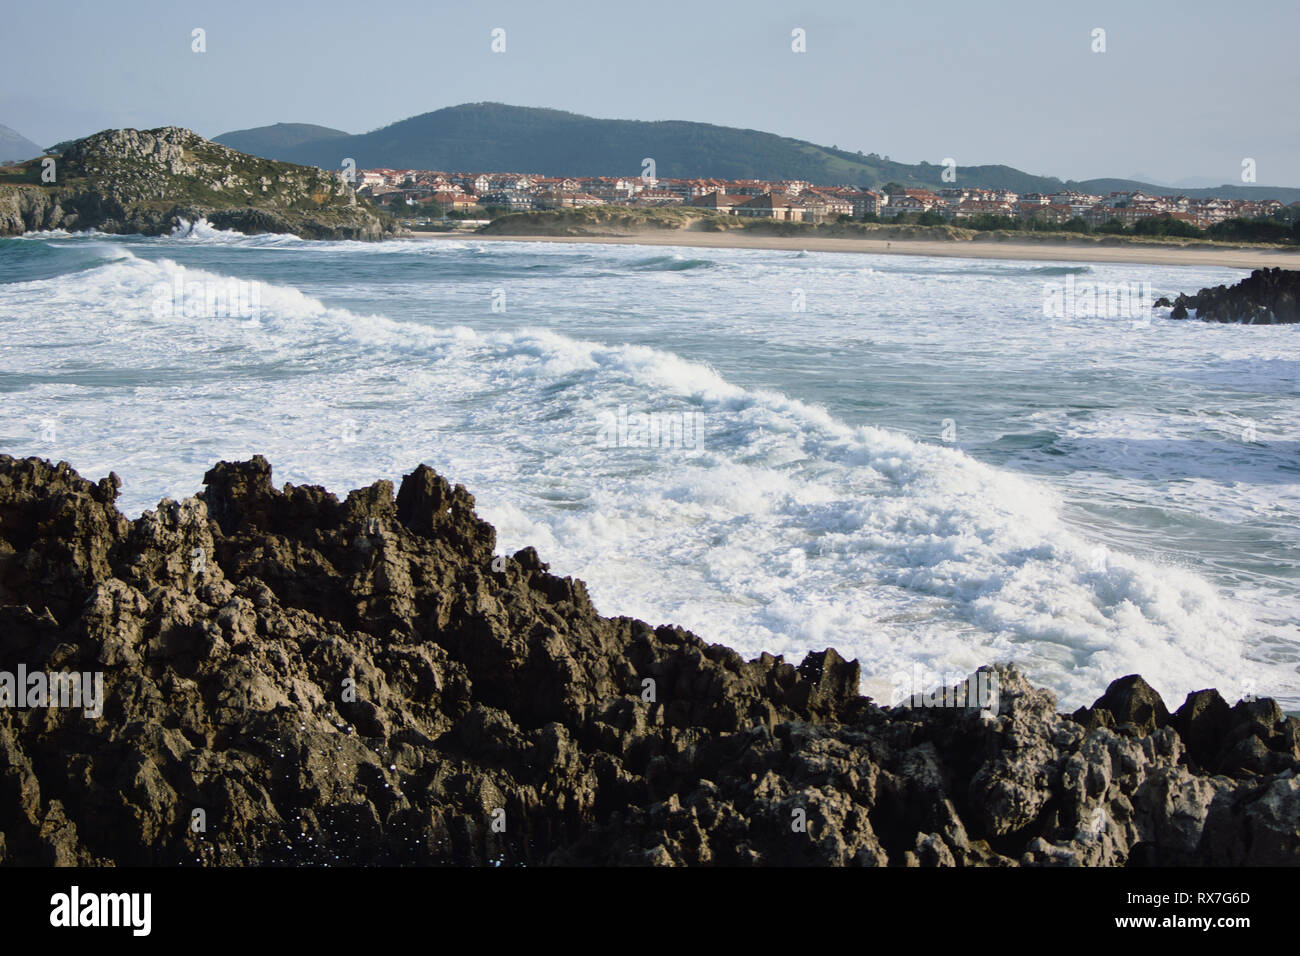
(1238, 257)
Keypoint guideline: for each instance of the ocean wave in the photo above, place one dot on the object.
(788, 530)
(203, 232)
(673, 263)
(22, 260)
(1058, 270)
(43, 234)
(1042, 441)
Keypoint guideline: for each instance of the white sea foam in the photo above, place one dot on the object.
(790, 529)
(202, 232)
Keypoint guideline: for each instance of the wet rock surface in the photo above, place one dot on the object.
(290, 678)
(1265, 297)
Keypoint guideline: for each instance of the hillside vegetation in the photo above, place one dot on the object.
(494, 137)
(265, 140)
(149, 181)
(630, 221)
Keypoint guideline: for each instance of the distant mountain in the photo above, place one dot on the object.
(493, 137)
(265, 140)
(1193, 182)
(14, 146)
(1101, 187)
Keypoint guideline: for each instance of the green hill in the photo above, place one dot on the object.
(265, 140)
(493, 137)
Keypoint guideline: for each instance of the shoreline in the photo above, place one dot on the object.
(1233, 257)
(305, 631)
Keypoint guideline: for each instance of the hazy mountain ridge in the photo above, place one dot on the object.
(493, 137)
(14, 146)
(277, 136)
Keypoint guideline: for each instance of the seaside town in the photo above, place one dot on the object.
(466, 195)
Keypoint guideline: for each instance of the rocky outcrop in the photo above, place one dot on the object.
(290, 678)
(1265, 297)
(150, 181)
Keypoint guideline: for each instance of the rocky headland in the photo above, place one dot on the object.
(1265, 297)
(290, 678)
(150, 181)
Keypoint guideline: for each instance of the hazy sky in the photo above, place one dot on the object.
(1184, 91)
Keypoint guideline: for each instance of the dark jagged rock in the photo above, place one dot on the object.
(294, 679)
(1203, 721)
(1252, 737)
(1130, 705)
(151, 181)
(1265, 297)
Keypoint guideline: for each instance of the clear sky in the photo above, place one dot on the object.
(1185, 90)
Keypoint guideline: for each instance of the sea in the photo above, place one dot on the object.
(928, 464)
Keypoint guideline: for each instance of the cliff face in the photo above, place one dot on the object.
(291, 678)
(138, 181)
